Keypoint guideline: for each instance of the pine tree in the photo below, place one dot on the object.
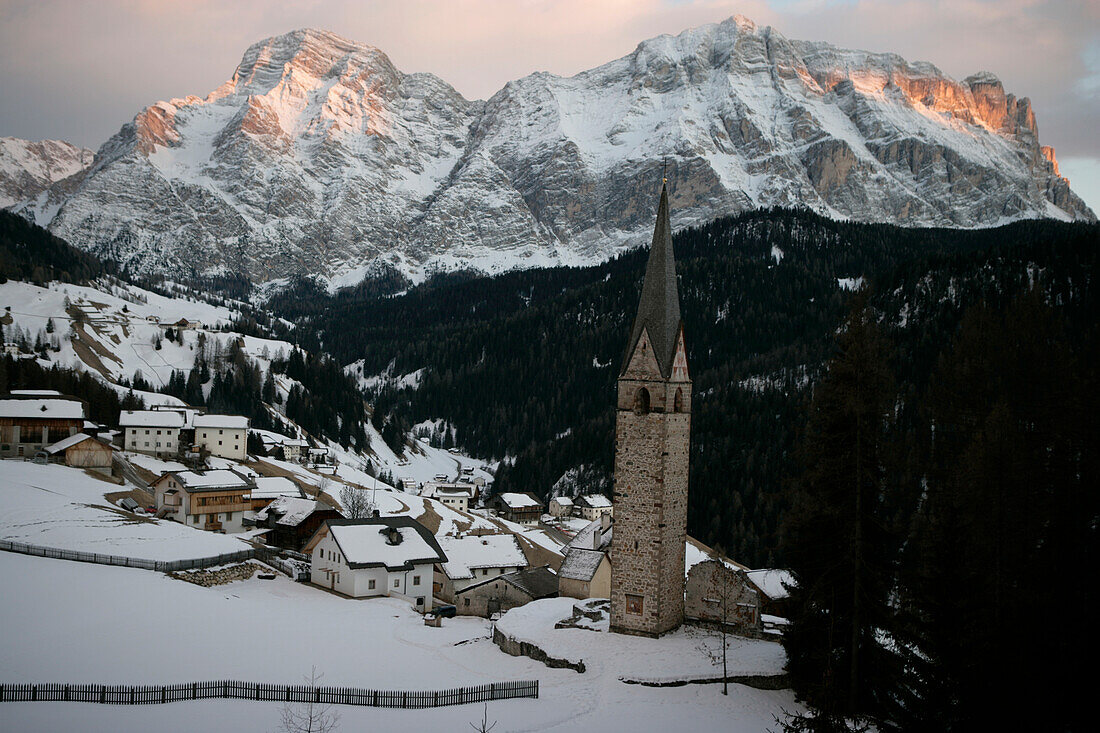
(835, 540)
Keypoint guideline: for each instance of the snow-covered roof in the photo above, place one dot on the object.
(289, 511)
(36, 392)
(585, 539)
(594, 501)
(364, 542)
(272, 487)
(487, 551)
(46, 408)
(540, 582)
(434, 489)
(519, 501)
(150, 419)
(68, 442)
(563, 500)
(231, 422)
(580, 564)
(771, 582)
(210, 480)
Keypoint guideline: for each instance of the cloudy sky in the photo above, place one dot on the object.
(78, 69)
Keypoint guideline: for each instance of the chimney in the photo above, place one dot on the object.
(605, 522)
(375, 514)
(393, 536)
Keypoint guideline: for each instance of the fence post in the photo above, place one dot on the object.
(66, 693)
(103, 694)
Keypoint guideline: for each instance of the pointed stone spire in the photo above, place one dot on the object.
(659, 307)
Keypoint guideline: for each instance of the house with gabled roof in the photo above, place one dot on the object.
(522, 508)
(292, 520)
(33, 419)
(474, 558)
(154, 432)
(586, 570)
(507, 591)
(592, 506)
(210, 500)
(382, 556)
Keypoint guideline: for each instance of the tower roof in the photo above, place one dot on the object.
(659, 307)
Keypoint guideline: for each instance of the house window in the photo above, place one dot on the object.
(146, 432)
(397, 582)
(465, 601)
(195, 518)
(147, 444)
(370, 584)
(228, 516)
(219, 442)
(416, 580)
(633, 604)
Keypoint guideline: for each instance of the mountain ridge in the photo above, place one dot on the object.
(319, 156)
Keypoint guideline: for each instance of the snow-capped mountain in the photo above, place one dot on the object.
(29, 168)
(318, 156)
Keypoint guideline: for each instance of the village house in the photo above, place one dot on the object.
(31, 421)
(586, 570)
(522, 508)
(718, 592)
(456, 496)
(593, 506)
(473, 558)
(292, 521)
(83, 451)
(212, 500)
(772, 584)
(561, 506)
(154, 432)
(292, 449)
(11, 348)
(270, 488)
(384, 556)
(225, 436)
(507, 591)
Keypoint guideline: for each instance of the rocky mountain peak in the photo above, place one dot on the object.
(319, 156)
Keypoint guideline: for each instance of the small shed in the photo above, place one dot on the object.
(507, 591)
(82, 451)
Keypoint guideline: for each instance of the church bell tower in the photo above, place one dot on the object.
(652, 436)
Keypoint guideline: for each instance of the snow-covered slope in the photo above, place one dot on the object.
(319, 156)
(28, 168)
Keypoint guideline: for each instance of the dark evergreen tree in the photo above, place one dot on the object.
(836, 541)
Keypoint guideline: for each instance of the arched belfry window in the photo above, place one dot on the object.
(678, 401)
(641, 401)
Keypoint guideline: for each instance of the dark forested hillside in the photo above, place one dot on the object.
(29, 252)
(523, 365)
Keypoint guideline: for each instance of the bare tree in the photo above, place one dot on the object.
(484, 726)
(309, 717)
(356, 503)
(721, 613)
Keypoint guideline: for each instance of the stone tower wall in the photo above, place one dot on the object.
(651, 487)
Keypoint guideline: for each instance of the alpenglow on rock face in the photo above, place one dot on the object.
(318, 156)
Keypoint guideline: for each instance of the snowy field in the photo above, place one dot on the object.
(56, 506)
(75, 622)
(684, 654)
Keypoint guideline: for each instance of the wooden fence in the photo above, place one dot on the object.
(269, 556)
(234, 689)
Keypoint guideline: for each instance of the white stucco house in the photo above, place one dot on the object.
(225, 436)
(455, 495)
(383, 556)
(592, 506)
(154, 432)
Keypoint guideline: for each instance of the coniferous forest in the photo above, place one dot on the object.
(522, 366)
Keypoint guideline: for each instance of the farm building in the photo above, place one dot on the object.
(473, 558)
(83, 451)
(523, 508)
(292, 520)
(212, 500)
(507, 591)
(29, 421)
